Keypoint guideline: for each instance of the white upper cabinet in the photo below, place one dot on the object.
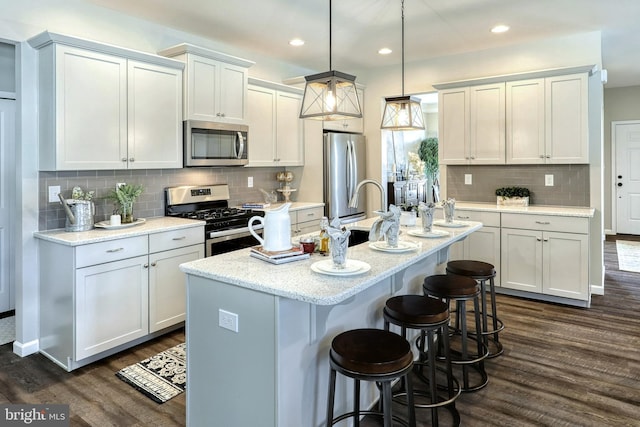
(348, 125)
(276, 133)
(547, 120)
(103, 107)
(215, 84)
(471, 125)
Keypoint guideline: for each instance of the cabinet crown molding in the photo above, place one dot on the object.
(519, 76)
(275, 86)
(46, 38)
(183, 48)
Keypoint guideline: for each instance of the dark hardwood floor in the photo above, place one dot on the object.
(562, 366)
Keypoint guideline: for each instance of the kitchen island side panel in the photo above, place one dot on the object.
(230, 376)
(237, 376)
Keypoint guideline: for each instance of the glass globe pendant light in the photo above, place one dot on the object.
(402, 112)
(330, 95)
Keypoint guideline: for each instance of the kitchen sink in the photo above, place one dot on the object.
(358, 236)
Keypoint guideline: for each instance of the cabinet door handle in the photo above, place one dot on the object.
(463, 217)
(124, 159)
(545, 240)
(131, 159)
(153, 264)
(311, 214)
(548, 156)
(473, 157)
(146, 266)
(115, 250)
(543, 222)
(538, 239)
(180, 238)
(542, 156)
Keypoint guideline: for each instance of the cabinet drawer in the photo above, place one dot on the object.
(564, 224)
(113, 250)
(488, 219)
(175, 239)
(312, 214)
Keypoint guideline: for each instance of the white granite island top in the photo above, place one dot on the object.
(150, 226)
(574, 211)
(297, 281)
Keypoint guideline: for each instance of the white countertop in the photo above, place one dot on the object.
(297, 281)
(150, 226)
(531, 209)
(295, 206)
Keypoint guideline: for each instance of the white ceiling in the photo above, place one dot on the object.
(433, 28)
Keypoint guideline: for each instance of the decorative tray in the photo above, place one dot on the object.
(107, 225)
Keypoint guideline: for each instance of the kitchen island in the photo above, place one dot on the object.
(258, 334)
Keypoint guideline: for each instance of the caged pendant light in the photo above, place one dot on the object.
(402, 112)
(330, 95)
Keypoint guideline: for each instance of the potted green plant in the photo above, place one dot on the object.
(428, 152)
(123, 198)
(513, 196)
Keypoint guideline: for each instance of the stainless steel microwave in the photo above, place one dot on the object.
(215, 144)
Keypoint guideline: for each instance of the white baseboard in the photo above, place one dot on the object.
(25, 349)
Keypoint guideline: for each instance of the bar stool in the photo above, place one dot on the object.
(371, 355)
(483, 272)
(431, 317)
(461, 289)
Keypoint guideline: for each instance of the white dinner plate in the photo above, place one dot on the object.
(433, 234)
(403, 246)
(107, 224)
(454, 224)
(353, 267)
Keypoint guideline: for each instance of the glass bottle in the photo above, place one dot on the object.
(324, 235)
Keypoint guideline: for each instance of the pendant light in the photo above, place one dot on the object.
(402, 112)
(330, 95)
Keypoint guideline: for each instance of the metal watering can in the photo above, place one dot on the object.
(79, 214)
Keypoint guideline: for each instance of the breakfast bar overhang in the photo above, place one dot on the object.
(258, 334)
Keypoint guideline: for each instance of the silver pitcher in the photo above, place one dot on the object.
(79, 214)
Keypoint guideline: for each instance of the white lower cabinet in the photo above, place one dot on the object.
(111, 304)
(167, 287)
(537, 258)
(482, 245)
(306, 220)
(99, 298)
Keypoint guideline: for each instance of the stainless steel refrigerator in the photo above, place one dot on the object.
(344, 168)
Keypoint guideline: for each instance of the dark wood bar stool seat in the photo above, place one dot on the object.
(461, 289)
(431, 317)
(483, 272)
(371, 355)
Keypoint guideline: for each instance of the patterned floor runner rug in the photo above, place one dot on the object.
(160, 377)
(628, 255)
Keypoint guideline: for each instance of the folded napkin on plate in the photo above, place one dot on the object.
(338, 242)
(387, 226)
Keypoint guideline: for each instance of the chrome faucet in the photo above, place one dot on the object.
(383, 195)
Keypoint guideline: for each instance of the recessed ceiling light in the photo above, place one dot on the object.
(500, 29)
(296, 42)
(385, 51)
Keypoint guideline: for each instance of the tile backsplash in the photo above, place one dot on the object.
(571, 183)
(154, 181)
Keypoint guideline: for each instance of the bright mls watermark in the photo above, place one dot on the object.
(26, 414)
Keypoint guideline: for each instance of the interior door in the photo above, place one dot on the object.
(627, 177)
(7, 185)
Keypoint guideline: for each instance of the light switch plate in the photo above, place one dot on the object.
(250, 181)
(468, 179)
(548, 180)
(54, 190)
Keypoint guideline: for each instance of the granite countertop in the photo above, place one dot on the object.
(295, 206)
(297, 281)
(150, 226)
(531, 209)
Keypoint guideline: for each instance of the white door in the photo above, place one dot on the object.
(7, 185)
(627, 177)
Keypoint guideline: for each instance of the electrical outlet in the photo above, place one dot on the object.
(120, 184)
(548, 180)
(250, 181)
(54, 190)
(228, 320)
(468, 179)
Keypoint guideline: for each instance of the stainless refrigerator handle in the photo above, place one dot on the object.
(240, 151)
(354, 168)
(349, 171)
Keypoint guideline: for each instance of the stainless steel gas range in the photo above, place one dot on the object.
(226, 228)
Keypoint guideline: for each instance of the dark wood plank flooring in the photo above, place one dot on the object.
(562, 366)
